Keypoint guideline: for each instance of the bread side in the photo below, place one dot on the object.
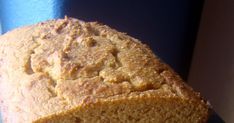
(64, 70)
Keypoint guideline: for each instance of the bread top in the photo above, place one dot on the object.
(56, 65)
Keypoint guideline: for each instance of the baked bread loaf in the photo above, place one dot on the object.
(70, 71)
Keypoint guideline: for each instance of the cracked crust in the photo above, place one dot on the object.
(56, 66)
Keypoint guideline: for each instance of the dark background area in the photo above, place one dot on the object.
(212, 69)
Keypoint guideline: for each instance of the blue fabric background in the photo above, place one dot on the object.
(15, 13)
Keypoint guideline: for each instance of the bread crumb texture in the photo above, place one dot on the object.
(70, 71)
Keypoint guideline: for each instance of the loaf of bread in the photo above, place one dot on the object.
(70, 71)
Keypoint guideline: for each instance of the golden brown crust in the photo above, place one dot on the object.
(58, 65)
(148, 99)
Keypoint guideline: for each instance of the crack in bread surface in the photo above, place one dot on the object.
(61, 64)
(70, 62)
(72, 51)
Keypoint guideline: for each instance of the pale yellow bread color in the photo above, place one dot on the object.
(70, 71)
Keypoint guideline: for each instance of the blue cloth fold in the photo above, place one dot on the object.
(15, 13)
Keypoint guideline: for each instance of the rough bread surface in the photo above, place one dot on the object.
(70, 71)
